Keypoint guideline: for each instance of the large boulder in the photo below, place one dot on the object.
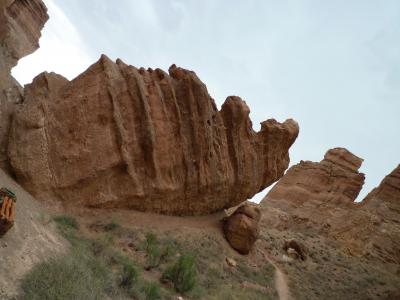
(122, 137)
(241, 228)
(20, 26)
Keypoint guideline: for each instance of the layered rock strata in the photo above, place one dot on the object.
(20, 26)
(122, 137)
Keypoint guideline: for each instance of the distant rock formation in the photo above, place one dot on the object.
(320, 197)
(385, 199)
(335, 180)
(122, 137)
(20, 26)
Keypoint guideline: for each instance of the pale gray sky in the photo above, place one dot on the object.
(334, 66)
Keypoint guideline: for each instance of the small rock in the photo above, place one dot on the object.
(297, 249)
(286, 258)
(292, 253)
(231, 262)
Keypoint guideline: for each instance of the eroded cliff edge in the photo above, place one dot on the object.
(20, 25)
(118, 136)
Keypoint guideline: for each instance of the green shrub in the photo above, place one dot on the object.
(74, 276)
(66, 222)
(129, 276)
(182, 274)
(153, 251)
(168, 251)
(151, 291)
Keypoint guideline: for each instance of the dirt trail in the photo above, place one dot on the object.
(281, 285)
(281, 282)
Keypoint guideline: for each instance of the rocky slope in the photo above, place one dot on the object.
(31, 240)
(356, 243)
(321, 196)
(118, 136)
(20, 26)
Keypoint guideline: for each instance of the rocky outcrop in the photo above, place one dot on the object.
(385, 199)
(118, 136)
(320, 197)
(20, 26)
(241, 228)
(334, 180)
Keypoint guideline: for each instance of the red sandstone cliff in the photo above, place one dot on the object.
(118, 136)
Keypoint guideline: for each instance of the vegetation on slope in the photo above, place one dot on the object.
(107, 260)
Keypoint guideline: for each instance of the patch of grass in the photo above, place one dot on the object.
(182, 274)
(153, 251)
(75, 276)
(129, 276)
(66, 222)
(151, 291)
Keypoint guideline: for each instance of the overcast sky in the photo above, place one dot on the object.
(334, 66)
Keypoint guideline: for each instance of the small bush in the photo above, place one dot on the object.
(182, 274)
(129, 275)
(66, 222)
(153, 251)
(168, 251)
(151, 291)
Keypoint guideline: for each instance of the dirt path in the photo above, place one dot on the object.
(281, 282)
(281, 285)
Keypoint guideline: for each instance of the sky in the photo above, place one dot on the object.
(333, 66)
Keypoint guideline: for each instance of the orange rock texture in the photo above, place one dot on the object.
(122, 137)
(20, 26)
(241, 228)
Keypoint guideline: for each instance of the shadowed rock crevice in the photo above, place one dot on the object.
(118, 136)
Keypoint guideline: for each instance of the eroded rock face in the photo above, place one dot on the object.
(118, 136)
(20, 26)
(241, 228)
(319, 197)
(334, 180)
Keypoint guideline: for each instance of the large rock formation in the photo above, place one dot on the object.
(320, 197)
(334, 180)
(118, 136)
(20, 26)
